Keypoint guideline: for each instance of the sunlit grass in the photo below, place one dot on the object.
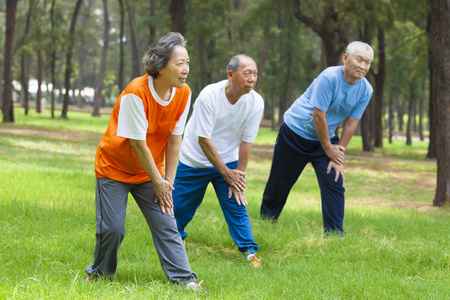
(396, 245)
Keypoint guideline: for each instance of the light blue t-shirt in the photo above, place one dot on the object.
(331, 93)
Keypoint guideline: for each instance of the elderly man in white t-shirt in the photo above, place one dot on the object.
(216, 148)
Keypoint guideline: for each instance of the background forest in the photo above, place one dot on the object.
(93, 48)
(292, 41)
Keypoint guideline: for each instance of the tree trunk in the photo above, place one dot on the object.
(1, 83)
(391, 117)
(81, 57)
(367, 128)
(432, 124)
(332, 30)
(400, 113)
(24, 61)
(121, 54)
(205, 75)
(53, 57)
(68, 72)
(422, 100)
(152, 27)
(40, 76)
(440, 52)
(178, 15)
(265, 48)
(8, 105)
(284, 99)
(409, 124)
(135, 49)
(380, 77)
(101, 76)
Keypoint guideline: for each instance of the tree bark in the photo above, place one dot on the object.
(432, 124)
(121, 54)
(101, 76)
(422, 100)
(8, 105)
(69, 54)
(332, 30)
(391, 117)
(440, 51)
(24, 61)
(152, 27)
(81, 56)
(380, 78)
(265, 48)
(1, 82)
(53, 58)
(40, 77)
(400, 112)
(409, 123)
(367, 128)
(178, 15)
(135, 49)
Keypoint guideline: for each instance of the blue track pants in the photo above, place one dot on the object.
(190, 186)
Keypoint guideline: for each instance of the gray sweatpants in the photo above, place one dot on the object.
(110, 207)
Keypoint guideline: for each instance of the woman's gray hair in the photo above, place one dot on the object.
(351, 48)
(233, 65)
(159, 54)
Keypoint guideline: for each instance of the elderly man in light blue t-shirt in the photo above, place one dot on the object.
(339, 93)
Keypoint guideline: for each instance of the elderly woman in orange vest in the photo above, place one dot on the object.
(138, 154)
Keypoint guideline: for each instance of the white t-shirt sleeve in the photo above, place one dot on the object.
(253, 123)
(204, 124)
(132, 123)
(179, 127)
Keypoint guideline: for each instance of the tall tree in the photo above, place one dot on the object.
(69, 54)
(8, 105)
(40, 79)
(332, 27)
(432, 137)
(101, 76)
(135, 49)
(440, 52)
(24, 59)
(82, 53)
(178, 15)
(121, 43)
(53, 55)
(380, 77)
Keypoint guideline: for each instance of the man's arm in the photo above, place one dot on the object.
(244, 155)
(163, 189)
(334, 152)
(172, 153)
(348, 131)
(234, 177)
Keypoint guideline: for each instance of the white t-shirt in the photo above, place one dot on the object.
(225, 124)
(132, 122)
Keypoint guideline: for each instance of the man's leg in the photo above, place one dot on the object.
(110, 208)
(235, 215)
(332, 194)
(287, 165)
(190, 186)
(167, 240)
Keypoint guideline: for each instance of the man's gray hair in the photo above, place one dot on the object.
(351, 48)
(159, 54)
(233, 65)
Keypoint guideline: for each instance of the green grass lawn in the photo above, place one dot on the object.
(396, 245)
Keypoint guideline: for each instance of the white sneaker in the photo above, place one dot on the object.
(254, 260)
(194, 286)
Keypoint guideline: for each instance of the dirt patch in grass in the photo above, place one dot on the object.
(421, 206)
(57, 135)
